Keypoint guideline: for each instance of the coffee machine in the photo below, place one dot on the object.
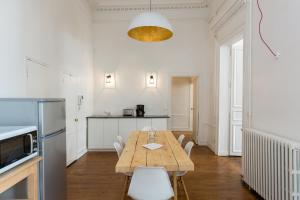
(140, 110)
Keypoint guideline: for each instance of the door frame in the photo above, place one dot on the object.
(224, 93)
(195, 104)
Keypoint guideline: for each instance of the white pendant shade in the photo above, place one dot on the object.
(150, 27)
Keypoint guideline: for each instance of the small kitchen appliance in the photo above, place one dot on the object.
(128, 112)
(140, 110)
(17, 145)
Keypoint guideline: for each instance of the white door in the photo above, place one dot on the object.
(70, 93)
(236, 109)
(181, 108)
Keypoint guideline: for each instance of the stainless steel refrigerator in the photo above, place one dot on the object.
(49, 116)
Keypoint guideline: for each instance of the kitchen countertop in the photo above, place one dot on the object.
(126, 117)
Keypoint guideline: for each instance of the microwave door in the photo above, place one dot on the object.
(52, 117)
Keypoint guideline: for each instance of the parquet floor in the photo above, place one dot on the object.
(215, 178)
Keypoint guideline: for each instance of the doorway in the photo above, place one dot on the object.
(184, 106)
(231, 99)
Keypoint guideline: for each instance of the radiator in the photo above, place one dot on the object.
(271, 165)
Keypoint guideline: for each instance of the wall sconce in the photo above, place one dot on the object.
(151, 80)
(109, 80)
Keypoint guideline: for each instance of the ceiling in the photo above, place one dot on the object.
(123, 5)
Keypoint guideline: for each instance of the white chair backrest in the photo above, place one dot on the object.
(188, 148)
(147, 128)
(156, 171)
(121, 141)
(180, 139)
(118, 148)
(150, 183)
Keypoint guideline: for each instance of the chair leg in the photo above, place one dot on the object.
(175, 185)
(179, 181)
(185, 190)
(125, 188)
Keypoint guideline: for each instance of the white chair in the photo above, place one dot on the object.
(121, 141)
(188, 149)
(147, 128)
(118, 148)
(180, 139)
(150, 183)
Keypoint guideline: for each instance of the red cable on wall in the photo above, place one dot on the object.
(260, 34)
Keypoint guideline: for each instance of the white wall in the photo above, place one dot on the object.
(54, 32)
(187, 53)
(275, 83)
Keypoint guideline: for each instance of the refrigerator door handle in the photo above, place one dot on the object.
(53, 134)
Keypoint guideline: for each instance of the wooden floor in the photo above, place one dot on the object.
(93, 178)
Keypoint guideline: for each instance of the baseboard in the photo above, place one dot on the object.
(101, 150)
(202, 143)
(223, 153)
(181, 129)
(81, 153)
(211, 147)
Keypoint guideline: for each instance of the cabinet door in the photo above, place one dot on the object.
(126, 126)
(110, 132)
(95, 134)
(159, 124)
(141, 123)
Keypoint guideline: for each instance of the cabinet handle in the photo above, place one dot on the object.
(76, 120)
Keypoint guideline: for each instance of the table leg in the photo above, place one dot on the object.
(33, 184)
(175, 185)
(125, 188)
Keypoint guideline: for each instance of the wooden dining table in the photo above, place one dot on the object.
(171, 155)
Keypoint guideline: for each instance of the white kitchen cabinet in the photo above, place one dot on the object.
(110, 132)
(95, 133)
(159, 124)
(102, 132)
(126, 126)
(141, 123)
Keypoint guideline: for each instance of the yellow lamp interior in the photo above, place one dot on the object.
(150, 33)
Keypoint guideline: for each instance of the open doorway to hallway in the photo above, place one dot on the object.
(231, 98)
(184, 106)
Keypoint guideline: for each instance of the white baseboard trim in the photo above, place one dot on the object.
(223, 153)
(212, 147)
(181, 129)
(101, 150)
(81, 153)
(202, 143)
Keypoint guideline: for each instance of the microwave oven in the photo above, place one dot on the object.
(17, 145)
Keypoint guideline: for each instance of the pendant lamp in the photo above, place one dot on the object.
(150, 27)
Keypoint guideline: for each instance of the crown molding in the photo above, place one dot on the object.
(104, 10)
(224, 13)
(144, 7)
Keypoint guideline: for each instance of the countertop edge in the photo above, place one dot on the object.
(129, 117)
